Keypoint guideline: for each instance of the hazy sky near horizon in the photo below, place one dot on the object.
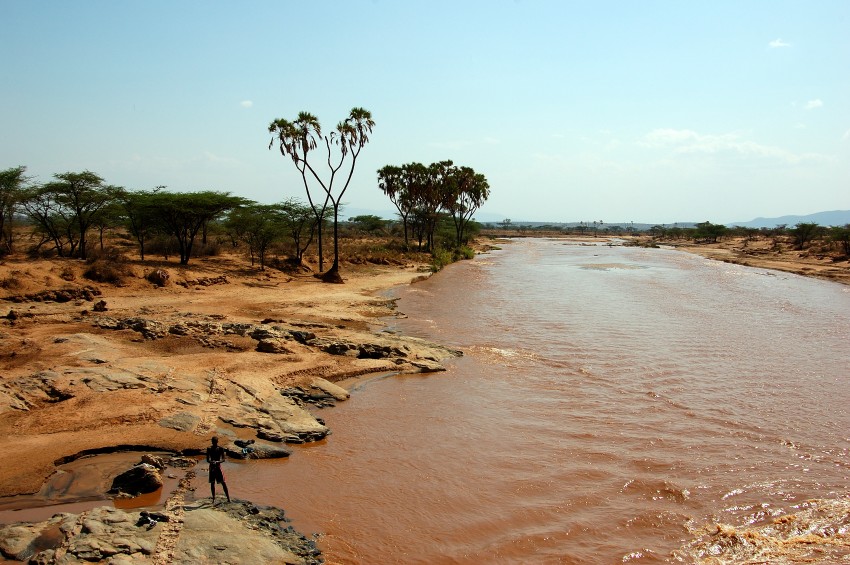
(651, 111)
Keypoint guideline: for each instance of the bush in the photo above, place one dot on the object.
(464, 252)
(14, 281)
(209, 249)
(107, 271)
(161, 245)
(440, 258)
(41, 252)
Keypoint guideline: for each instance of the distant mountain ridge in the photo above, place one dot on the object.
(832, 218)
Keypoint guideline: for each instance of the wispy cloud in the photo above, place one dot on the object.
(776, 43)
(846, 135)
(246, 103)
(685, 141)
(812, 104)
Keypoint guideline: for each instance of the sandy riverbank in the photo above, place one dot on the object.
(763, 254)
(221, 349)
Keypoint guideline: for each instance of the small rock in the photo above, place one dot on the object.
(426, 366)
(336, 391)
(154, 460)
(182, 462)
(302, 337)
(272, 346)
(271, 435)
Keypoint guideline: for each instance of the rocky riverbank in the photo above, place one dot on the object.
(235, 532)
(164, 363)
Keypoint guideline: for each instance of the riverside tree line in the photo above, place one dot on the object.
(67, 212)
(422, 195)
(803, 234)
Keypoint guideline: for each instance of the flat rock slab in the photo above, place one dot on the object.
(217, 537)
(237, 532)
(107, 379)
(181, 421)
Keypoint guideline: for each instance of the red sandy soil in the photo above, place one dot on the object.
(41, 426)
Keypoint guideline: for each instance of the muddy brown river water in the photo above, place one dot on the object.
(611, 403)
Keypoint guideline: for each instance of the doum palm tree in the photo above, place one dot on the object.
(302, 136)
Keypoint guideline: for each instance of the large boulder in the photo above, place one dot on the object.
(159, 277)
(141, 479)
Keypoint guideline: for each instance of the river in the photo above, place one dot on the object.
(612, 402)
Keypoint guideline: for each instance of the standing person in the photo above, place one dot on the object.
(215, 457)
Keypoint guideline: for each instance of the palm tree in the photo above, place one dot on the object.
(297, 139)
(351, 135)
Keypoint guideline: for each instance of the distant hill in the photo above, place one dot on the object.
(833, 218)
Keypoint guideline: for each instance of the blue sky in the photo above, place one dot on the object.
(645, 111)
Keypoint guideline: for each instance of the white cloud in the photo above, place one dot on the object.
(690, 142)
(846, 135)
(812, 104)
(246, 103)
(778, 43)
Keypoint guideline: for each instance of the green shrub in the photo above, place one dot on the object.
(464, 252)
(440, 258)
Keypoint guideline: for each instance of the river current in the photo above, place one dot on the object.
(612, 405)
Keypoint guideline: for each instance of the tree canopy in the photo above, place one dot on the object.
(65, 208)
(183, 214)
(420, 193)
(12, 190)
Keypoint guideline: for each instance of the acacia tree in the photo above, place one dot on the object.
(67, 207)
(804, 232)
(12, 183)
(141, 215)
(50, 220)
(709, 232)
(110, 216)
(342, 148)
(258, 225)
(300, 225)
(183, 214)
